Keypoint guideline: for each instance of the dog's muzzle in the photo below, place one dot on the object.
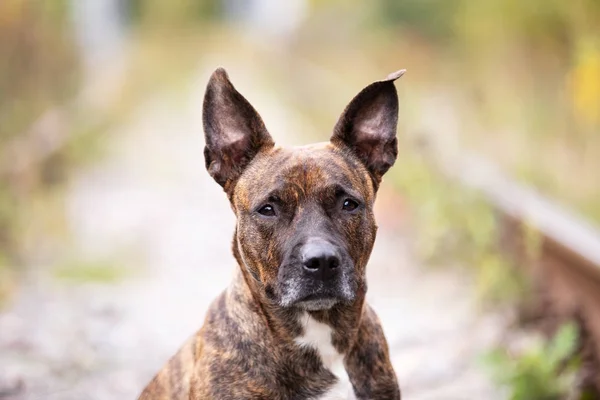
(319, 276)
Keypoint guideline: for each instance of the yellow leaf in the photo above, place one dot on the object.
(585, 84)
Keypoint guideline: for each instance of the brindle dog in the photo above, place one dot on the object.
(294, 323)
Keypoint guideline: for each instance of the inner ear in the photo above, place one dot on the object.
(368, 126)
(233, 130)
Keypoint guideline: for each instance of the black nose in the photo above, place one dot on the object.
(320, 260)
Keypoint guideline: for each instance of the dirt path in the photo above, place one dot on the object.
(152, 200)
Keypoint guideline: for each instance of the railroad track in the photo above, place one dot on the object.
(567, 261)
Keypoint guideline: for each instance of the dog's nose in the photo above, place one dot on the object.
(320, 260)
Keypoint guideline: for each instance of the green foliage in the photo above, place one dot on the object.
(485, 23)
(38, 65)
(94, 271)
(458, 225)
(38, 69)
(173, 13)
(432, 18)
(544, 371)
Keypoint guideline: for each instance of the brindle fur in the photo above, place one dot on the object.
(246, 349)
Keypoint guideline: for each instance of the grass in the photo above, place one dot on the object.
(90, 271)
(457, 226)
(545, 370)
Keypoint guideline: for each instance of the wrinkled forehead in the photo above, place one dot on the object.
(303, 172)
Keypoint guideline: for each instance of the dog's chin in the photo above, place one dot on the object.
(314, 295)
(317, 304)
(314, 302)
(319, 301)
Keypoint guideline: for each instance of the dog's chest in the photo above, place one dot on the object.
(318, 336)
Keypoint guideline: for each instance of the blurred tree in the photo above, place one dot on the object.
(174, 12)
(38, 68)
(430, 18)
(37, 61)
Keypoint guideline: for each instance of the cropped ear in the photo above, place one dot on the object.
(368, 126)
(233, 129)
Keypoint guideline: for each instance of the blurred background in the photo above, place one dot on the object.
(113, 239)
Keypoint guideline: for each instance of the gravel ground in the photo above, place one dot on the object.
(151, 197)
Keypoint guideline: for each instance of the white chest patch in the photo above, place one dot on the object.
(318, 336)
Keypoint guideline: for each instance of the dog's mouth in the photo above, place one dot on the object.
(317, 297)
(317, 301)
(314, 303)
(322, 297)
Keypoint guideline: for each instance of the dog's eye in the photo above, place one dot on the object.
(349, 205)
(267, 210)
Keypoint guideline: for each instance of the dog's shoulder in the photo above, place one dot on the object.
(232, 356)
(174, 381)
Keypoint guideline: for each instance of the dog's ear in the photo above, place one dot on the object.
(233, 129)
(368, 126)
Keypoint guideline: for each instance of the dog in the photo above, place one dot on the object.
(294, 323)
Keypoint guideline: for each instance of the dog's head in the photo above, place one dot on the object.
(305, 225)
